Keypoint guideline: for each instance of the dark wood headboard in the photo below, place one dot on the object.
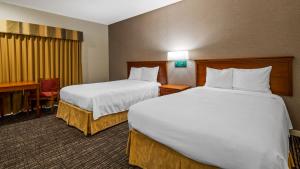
(162, 74)
(281, 80)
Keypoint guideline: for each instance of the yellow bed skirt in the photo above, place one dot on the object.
(146, 153)
(149, 154)
(83, 119)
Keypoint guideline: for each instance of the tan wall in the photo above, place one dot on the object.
(95, 59)
(211, 29)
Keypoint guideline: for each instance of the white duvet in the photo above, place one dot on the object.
(225, 128)
(109, 97)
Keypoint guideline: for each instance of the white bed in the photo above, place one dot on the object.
(221, 127)
(109, 97)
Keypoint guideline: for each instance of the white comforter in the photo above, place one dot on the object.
(225, 128)
(109, 97)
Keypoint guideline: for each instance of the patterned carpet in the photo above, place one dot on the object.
(47, 142)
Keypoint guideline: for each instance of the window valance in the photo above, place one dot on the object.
(8, 26)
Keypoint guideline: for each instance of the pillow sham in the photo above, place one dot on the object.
(150, 74)
(257, 80)
(135, 73)
(219, 78)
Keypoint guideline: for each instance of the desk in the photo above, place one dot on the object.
(20, 86)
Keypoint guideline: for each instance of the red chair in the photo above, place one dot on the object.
(49, 91)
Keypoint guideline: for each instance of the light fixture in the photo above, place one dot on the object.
(180, 58)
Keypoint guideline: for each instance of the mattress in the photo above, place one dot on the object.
(224, 128)
(109, 97)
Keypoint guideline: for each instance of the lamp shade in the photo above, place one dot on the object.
(178, 55)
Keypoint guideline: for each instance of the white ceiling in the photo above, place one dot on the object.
(100, 11)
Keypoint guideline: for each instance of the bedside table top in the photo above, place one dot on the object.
(174, 86)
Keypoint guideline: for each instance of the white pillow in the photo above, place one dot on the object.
(150, 74)
(219, 78)
(257, 80)
(135, 73)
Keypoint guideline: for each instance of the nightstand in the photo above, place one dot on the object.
(172, 88)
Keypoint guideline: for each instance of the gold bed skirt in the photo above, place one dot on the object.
(147, 153)
(83, 119)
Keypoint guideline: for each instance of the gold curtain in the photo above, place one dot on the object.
(28, 58)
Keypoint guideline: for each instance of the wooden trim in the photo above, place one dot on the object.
(281, 80)
(15, 27)
(162, 74)
(172, 88)
(175, 86)
(17, 86)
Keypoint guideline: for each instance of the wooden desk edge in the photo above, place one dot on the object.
(19, 86)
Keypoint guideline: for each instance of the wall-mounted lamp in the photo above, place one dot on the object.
(180, 58)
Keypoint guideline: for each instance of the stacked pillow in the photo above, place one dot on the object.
(144, 73)
(257, 80)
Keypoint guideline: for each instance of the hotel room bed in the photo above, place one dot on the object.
(97, 106)
(109, 97)
(214, 126)
(207, 128)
